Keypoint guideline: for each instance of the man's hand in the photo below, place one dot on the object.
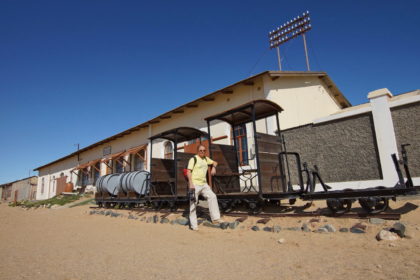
(213, 171)
(192, 187)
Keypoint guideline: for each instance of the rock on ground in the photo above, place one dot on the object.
(386, 235)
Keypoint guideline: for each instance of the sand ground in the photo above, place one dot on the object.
(72, 244)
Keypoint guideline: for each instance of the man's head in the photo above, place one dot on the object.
(201, 150)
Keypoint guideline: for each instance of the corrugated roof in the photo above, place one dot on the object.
(4, 184)
(226, 90)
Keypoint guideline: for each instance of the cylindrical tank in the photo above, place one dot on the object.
(136, 181)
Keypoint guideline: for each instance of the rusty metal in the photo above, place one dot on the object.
(385, 216)
(241, 219)
(263, 221)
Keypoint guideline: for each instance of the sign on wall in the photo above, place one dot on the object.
(107, 151)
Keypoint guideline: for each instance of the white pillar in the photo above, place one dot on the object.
(149, 147)
(385, 134)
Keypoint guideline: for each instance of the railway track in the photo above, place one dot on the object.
(309, 214)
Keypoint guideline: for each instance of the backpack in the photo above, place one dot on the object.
(185, 170)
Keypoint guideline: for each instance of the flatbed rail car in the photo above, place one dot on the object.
(266, 180)
(263, 180)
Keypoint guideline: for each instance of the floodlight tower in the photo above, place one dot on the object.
(291, 29)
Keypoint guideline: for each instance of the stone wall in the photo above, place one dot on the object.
(343, 150)
(406, 121)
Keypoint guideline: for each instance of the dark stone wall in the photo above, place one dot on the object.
(407, 131)
(343, 150)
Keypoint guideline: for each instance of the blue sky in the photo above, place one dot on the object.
(80, 71)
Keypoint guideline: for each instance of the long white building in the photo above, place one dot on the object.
(307, 98)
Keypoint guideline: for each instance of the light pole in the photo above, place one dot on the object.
(289, 30)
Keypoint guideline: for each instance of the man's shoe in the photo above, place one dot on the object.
(194, 229)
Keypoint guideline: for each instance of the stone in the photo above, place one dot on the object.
(155, 219)
(143, 219)
(255, 228)
(233, 225)
(399, 228)
(209, 224)
(224, 225)
(182, 221)
(131, 217)
(293, 228)
(172, 222)
(200, 221)
(391, 245)
(330, 228)
(164, 221)
(305, 228)
(360, 226)
(356, 230)
(314, 220)
(376, 221)
(113, 214)
(343, 230)
(386, 235)
(107, 213)
(281, 241)
(102, 212)
(92, 212)
(267, 229)
(148, 219)
(276, 229)
(322, 230)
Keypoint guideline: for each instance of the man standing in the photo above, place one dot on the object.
(197, 180)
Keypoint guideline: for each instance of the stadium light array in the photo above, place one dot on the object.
(289, 30)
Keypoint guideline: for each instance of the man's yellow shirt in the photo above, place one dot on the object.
(199, 171)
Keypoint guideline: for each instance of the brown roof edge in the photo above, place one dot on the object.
(145, 124)
(181, 108)
(1, 185)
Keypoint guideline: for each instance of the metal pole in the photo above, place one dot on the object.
(278, 57)
(210, 142)
(260, 187)
(306, 52)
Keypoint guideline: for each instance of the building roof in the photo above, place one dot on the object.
(10, 183)
(337, 94)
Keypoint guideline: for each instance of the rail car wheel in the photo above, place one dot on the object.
(156, 205)
(374, 205)
(339, 206)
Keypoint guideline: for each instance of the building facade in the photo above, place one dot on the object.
(24, 189)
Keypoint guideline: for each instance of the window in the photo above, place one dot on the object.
(241, 142)
(119, 166)
(85, 177)
(42, 185)
(138, 162)
(96, 172)
(169, 150)
(53, 184)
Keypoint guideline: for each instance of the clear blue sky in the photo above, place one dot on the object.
(80, 71)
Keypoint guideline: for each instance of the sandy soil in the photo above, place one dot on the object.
(72, 244)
